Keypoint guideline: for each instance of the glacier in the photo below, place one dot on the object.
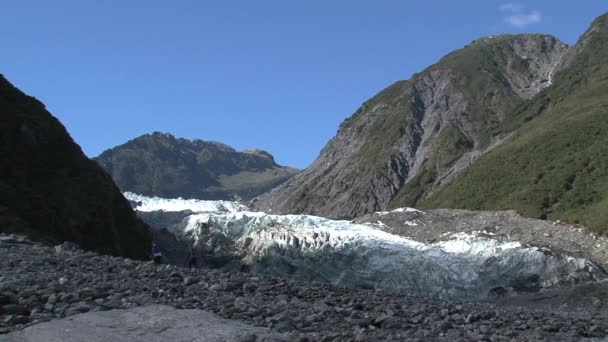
(471, 266)
(147, 204)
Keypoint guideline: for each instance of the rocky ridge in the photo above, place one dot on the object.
(50, 190)
(74, 281)
(416, 135)
(159, 164)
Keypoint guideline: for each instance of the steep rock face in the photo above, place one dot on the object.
(49, 189)
(159, 164)
(555, 165)
(415, 135)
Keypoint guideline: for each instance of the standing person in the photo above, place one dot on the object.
(192, 259)
(156, 254)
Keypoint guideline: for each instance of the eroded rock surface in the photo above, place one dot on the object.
(148, 323)
(415, 135)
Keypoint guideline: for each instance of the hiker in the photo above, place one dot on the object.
(156, 254)
(192, 259)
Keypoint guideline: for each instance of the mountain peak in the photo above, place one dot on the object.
(258, 152)
(159, 164)
(162, 134)
(598, 27)
(173, 140)
(414, 136)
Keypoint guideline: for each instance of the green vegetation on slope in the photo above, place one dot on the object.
(393, 102)
(450, 144)
(556, 165)
(479, 75)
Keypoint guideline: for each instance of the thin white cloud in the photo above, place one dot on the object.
(511, 7)
(518, 16)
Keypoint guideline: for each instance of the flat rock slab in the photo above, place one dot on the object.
(149, 323)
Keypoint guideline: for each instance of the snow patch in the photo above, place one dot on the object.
(144, 203)
(399, 210)
(474, 244)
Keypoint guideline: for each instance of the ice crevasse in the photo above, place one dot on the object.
(461, 265)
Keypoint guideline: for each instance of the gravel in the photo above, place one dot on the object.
(40, 283)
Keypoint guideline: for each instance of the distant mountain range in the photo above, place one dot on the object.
(51, 191)
(510, 121)
(159, 164)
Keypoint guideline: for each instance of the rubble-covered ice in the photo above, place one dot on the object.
(340, 252)
(460, 265)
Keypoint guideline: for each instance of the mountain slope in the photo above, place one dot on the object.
(556, 166)
(416, 135)
(49, 189)
(159, 164)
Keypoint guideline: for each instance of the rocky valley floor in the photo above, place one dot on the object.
(40, 283)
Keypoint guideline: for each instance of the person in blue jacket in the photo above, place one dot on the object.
(156, 254)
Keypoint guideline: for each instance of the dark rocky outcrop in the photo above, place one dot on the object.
(50, 190)
(159, 164)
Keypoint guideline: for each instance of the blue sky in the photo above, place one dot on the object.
(278, 75)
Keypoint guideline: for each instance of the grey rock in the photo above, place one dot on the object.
(14, 309)
(149, 323)
(77, 309)
(8, 239)
(190, 281)
(243, 304)
(40, 317)
(16, 319)
(320, 306)
(26, 293)
(8, 298)
(52, 299)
